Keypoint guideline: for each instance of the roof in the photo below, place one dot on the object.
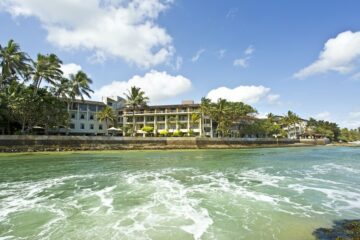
(168, 106)
(85, 101)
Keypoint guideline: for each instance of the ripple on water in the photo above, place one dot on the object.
(179, 203)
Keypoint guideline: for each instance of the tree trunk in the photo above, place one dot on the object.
(23, 128)
(133, 133)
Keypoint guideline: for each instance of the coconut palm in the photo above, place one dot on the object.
(205, 106)
(220, 112)
(291, 119)
(135, 98)
(106, 115)
(46, 68)
(13, 62)
(271, 117)
(78, 85)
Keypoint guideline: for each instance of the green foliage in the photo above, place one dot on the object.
(32, 105)
(48, 68)
(164, 133)
(325, 128)
(225, 113)
(147, 129)
(14, 63)
(191, 133)
(349, 135)
(195, 118)
(43, 109)
(177, 133)
(107, 115)
(135, 98)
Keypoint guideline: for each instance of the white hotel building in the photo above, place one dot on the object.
(83, 119)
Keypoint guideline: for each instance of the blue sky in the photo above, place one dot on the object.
(274, 55)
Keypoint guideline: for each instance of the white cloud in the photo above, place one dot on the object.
(326, 116)
(248, 94)
(108, 28)
(354, 115)
(70, 68)
(178, 63)
(356, 76)
(249, 50)
(232, 13)
(339, 55)
(197, 55)
(351, 121)
(273, 99)
(241, 62)
(158, 86)
(244, 61)
(221, 53)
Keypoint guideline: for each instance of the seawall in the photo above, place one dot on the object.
(33, 143)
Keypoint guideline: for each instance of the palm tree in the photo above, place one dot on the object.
(78, 85)
(106, 115)
(47, 68)
(13, 62)
(271, 117)
(220, 112)
(205, 106)
(290, 120)
(135, 98)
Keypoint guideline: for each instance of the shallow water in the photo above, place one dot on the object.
(282, 193)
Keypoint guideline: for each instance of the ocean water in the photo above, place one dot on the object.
(278, 193)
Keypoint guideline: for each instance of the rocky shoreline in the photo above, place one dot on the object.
(23, 143)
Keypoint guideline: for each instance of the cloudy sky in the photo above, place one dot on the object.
(275, 55)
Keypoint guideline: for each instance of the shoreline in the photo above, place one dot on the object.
(95, 151)
(23, 143)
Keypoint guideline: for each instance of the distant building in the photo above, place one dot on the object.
(294, 131)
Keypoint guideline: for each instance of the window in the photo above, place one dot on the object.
(91, 126)
(183, 118)
(91, 117)
(150, 118)
(110, 104)
(92, 108)
(100, 127)
(82, 116)
(82, 126)
(161, 118)
(73, 115)
(139, 119)
(73, 106)
(83, 107)
(72, 126)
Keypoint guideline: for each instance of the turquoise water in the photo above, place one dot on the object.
(282, 193)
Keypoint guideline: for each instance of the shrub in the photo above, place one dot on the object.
(177, 133)
(147, 129)
(164, 133)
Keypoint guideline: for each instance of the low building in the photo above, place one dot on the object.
(83, 118)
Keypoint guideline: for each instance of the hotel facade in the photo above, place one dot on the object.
(185, 118)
